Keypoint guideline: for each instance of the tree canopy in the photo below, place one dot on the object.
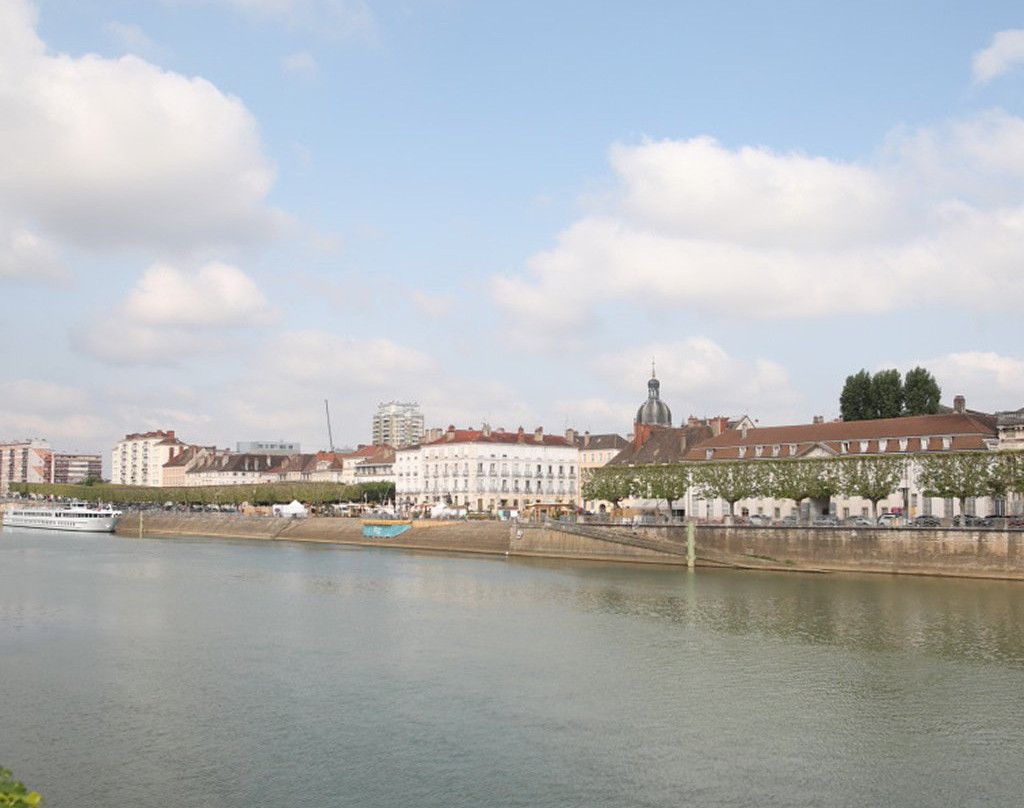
(887, 395)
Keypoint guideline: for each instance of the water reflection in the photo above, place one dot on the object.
(247, 673)
(967, 620)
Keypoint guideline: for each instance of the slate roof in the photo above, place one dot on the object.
(663, 445)
(600, 442)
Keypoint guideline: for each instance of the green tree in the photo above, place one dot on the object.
(667, 481)
(855, 402)
(920, 392)
(955, 475)
(871, 478)
(14, 793)
(728, 481)
(887, 394)
(609, 484)
(1005, 474)
(803, 479)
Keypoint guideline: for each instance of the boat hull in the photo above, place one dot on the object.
(76, 520)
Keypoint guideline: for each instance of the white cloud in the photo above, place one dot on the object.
(134, 40)
(25, 254)
(215, 295)
(936, 220)
(113, 152)
(45, 409)
(433, 306)
(698, 377)
(1004, 52)
(171, 314)
(989, 380)
(317, 357)
(339, 18)
(300, 64)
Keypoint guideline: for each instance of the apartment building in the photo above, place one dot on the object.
(398, 424)
(488, 470)
(25, 461)
(139, 458)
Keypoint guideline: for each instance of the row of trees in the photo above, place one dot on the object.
(887, 395)
(956, 475)
(314, 493)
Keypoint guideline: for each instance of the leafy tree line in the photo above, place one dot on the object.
(887, 395)
(14, 793)
(315, 493)
(956, 475)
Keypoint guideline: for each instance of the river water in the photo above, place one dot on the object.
(177, 673)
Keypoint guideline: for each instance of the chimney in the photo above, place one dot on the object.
(586, 439)
(959, 405)
(818, 419)
(538, 434)
(519, 434)
(486, 431)
(570, 435)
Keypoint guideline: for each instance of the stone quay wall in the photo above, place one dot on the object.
(426, 534)
(918, 551)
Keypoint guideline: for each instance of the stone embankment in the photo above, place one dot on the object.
(964, 553)
(427, 534)
(942, 551)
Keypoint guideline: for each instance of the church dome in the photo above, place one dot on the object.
(654, 411)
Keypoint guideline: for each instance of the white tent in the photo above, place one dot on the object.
(293, 510)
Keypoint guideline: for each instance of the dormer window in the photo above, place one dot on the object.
(775, 450)
(758, 450)
(709, 453)
(947, 442)
(924, 444)
(864, 446)
(904, 442)
(882, 444)
(742, 451)
(844, 447)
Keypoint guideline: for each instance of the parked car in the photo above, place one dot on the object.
(859, 521)
(759, 519)
(890, 519)
(927, 521)
(826, 521)
(968, 520)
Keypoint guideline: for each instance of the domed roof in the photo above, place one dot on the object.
(654, 411)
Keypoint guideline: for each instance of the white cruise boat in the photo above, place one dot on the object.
(73, 516)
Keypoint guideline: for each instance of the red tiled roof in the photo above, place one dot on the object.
(965, 431)
(453, 435)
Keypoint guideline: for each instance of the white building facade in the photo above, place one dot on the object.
(488, 470)
(139, 458)
(398, 424)
(24, 461)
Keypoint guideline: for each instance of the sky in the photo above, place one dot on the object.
(217, 215)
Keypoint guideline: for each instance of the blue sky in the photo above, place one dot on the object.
(216, 214)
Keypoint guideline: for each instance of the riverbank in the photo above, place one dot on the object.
(941, 552)
(426, 534)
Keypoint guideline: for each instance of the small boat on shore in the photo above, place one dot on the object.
(385, 528)
(75, 516)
